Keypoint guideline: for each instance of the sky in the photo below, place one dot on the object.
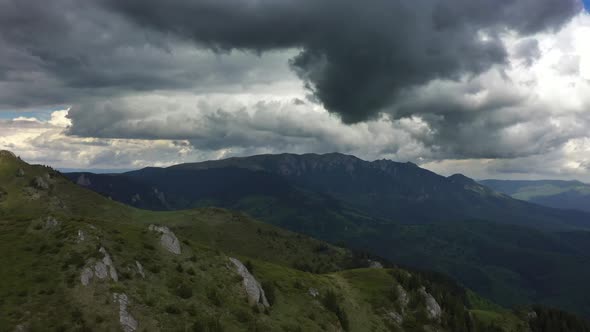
(488, 88)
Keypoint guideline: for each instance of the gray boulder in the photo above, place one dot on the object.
(86, 276)
(251, 285)
(433, 309)
(51, 222)
(20, 173)
(313, 292)
(128, 323)
(102, 269)
(83, 181)
(403, 297)
(168, 240)
(106, 260)
(81, 236)
(375, 264)
(140, 269)
(395, 317)
(40, 183)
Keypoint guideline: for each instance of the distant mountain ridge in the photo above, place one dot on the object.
(552, 193)
(512, 251)
(392, 190)
(75, 261)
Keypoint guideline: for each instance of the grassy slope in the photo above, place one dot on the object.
(196, 290)
(509, 264)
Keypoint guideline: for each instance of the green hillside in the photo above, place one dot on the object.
(496, 245)
(75, 261)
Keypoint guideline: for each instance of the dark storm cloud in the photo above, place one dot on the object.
(62, 51)
(357, 56)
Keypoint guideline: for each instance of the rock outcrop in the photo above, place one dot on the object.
(395, 317)
(375, 264)
(86, 276)
(40, 183)
(251, 285)
(83, 181)
(102, 269)
(433, 309)
(140, 269)
(313, 292)
(128, 323)
(403, 298)
(51, 222)
(168, 240)
(81, 236)
(106, 260)
(20, 173)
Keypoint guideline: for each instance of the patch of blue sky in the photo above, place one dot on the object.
(39, 114)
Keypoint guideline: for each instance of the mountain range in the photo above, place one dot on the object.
(509, 250)
(573, 195)
(77, 261)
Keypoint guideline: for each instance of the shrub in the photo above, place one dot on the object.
(332, 303)
(207, 324)
(269, 291)
(215, 297)
(172, 309)
(249, 266)
(184, 291)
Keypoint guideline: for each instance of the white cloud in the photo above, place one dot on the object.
(526, 119)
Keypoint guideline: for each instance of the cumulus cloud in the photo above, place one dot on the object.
(247, 125)
(495, 87)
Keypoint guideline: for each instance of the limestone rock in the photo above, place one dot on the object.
(375, 264)
(51, 222)
(140, 269)
(531, 315)
(81, 236)
(313, 292)
(40, 183)
(168, 240)
(128, 323)
(20, 173)
(83, 181)
(433, 309)
(135, 198)
(403, 298)
(109, 263)
(251, 285)
(395, 316)
(86, 276)
(21, 328)
(102, 269)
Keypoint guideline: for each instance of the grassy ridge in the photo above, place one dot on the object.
(198, 290)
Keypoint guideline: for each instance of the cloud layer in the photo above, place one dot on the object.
(357, 57)
(485, 87)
